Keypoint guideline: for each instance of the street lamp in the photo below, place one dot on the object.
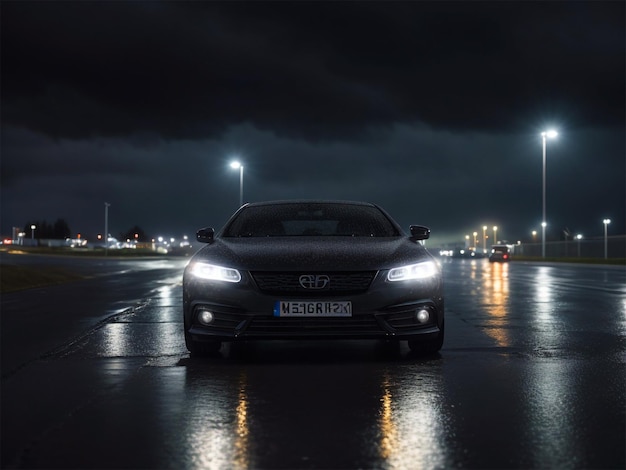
(475, 240)
(484, 239)
(495, 238)
(32, 232)
(606, 223)
(236, 165)
(544, 136)
(578, 238)
(106, 228)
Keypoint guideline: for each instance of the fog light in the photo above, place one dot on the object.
(422, 316)
(205, 317)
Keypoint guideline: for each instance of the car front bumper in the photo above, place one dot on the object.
(231, 326)
(242, 312)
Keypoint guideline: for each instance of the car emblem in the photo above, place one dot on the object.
(314, 281)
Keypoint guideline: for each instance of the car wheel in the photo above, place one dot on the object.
(202, 348)
(427, 347)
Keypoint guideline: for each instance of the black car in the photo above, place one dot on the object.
(312, 269)
(500, 253)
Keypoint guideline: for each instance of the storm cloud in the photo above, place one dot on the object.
(432, 109)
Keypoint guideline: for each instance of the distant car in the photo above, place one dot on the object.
(500, 253)
(312, 269)
(466, 253)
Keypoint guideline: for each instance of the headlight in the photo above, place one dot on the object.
(413, 271)
(215, 273)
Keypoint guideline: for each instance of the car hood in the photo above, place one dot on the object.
(313, 253)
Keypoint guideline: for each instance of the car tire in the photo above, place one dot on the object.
(427, 347)
(202, 348)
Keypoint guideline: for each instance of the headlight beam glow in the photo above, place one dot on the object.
(215, 273)
(423, 270)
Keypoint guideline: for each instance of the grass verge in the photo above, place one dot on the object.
(15, 278)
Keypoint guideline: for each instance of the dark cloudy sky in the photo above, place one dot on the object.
(432, 110)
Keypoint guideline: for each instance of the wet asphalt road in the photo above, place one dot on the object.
(95, 375)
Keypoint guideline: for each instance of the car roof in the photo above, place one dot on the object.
(308, 201)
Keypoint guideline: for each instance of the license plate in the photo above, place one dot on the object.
(313, 309)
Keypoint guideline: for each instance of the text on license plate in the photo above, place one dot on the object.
(313, 309)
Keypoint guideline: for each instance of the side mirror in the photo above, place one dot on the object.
(205, 235)
(419, 232)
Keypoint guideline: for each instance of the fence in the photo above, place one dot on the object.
(584, 248)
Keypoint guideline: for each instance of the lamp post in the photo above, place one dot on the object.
(484, 239)
(236, 165)
(106, 228)
(606, 223)
(544, 136)
(495, 237)
(32, 232)
(475, 240)
(578, 238)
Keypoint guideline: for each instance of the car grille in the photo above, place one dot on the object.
(361, 325)
(228, 322)
(288, 283)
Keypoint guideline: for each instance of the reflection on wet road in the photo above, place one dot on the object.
(316, 414)
(531, 375)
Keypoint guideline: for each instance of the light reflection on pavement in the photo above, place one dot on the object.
(526, 379)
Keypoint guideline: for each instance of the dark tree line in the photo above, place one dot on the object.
(59, 230)
(135, 233)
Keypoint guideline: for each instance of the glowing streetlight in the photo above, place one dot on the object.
(578, 239)
(32, 231)
(495, 237)
(236, 165)
(551, 134)
(606, 223)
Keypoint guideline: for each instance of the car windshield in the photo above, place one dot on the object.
(311, 219)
